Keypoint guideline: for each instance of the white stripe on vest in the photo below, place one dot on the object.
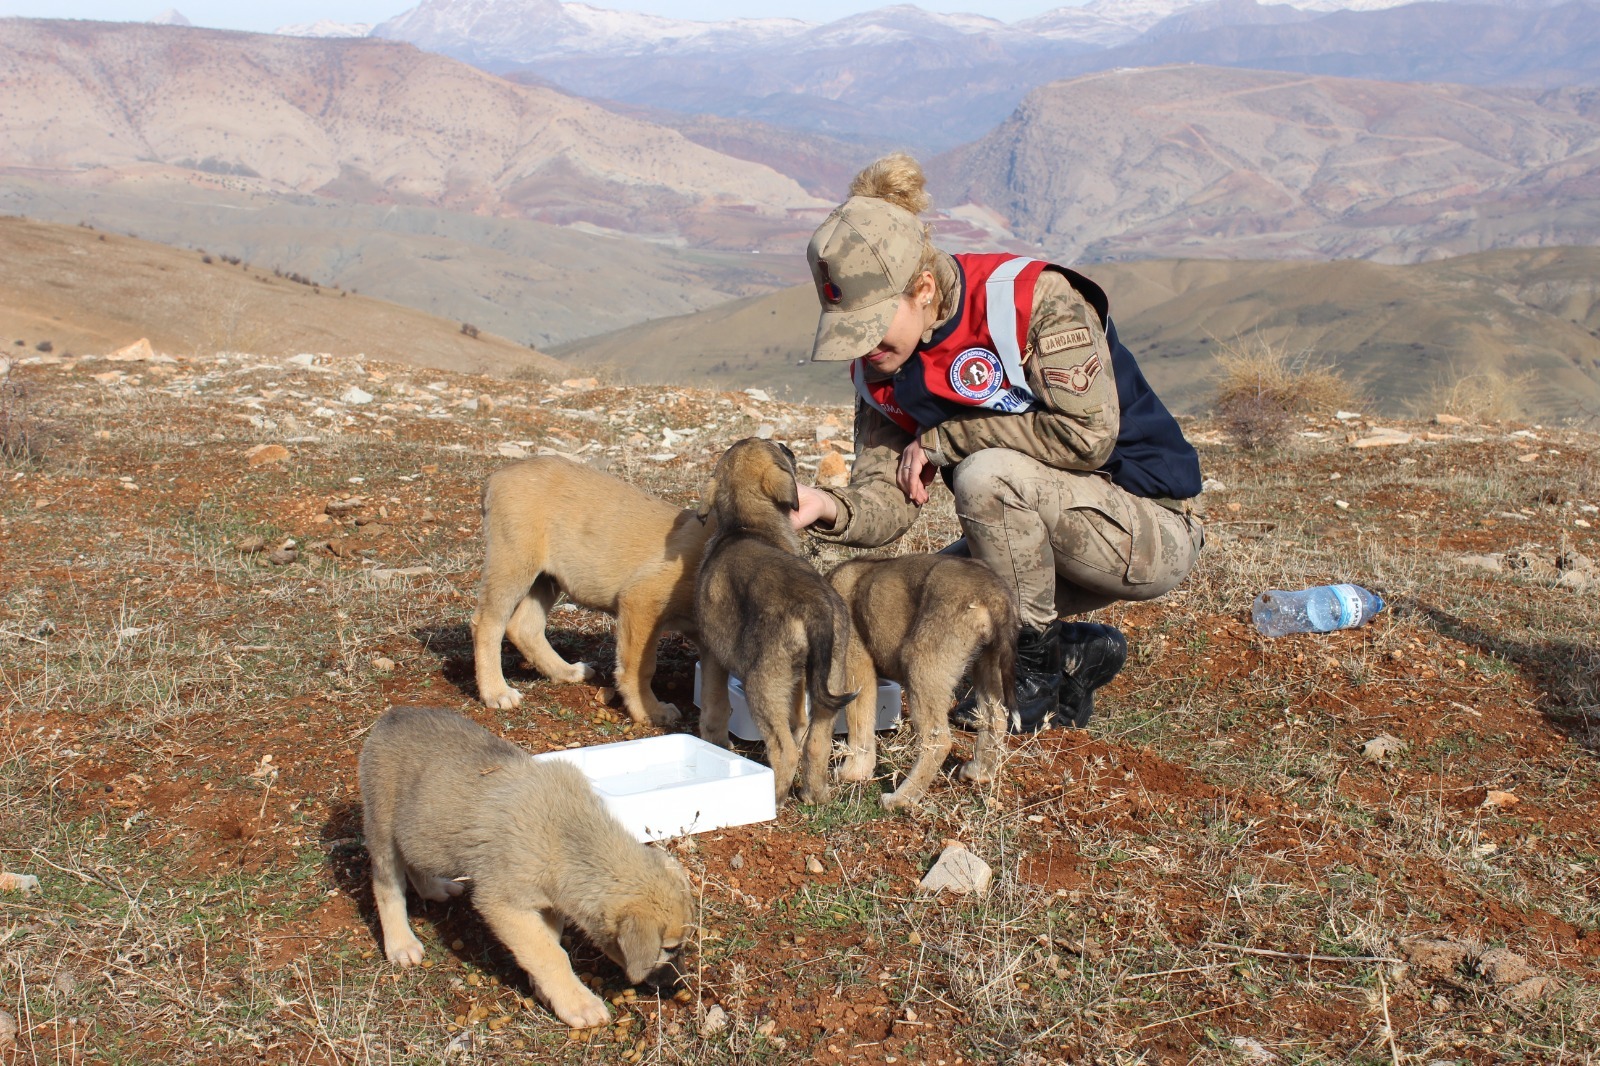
(1000, 292)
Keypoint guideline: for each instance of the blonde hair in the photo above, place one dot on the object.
(898, 178)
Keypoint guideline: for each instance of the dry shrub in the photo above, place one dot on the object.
(19, 430)
(1265, 390)
(1488, 396)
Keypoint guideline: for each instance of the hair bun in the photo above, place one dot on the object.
(897, 178)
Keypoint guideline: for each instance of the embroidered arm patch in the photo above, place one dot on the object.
(1065, 341)
(1075, 379)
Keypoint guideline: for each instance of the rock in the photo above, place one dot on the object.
(1382, 438)
(581, 383)
(1211, 484)
(958, 871)
(1496, 798)
(759, 395)
(383, 664)
(813, 866)
(1252, 1050)
(832, 471)
(765, 430)
(1528, 458)
(250, 545)
(1345, 416)
(25, 884)
(1481, 562)
(1504, 967)
(283, 556)
(737, 862)
(823, 433)
(1381, 747)
(340, 508)
(65, 983)
(8, 1031)
(1533, 989)
(395, 577)
(355, 394)
(715, 1021)
(1442, 957)
(263, 454)
(512, 451)
(1442, 419)
(137, 352)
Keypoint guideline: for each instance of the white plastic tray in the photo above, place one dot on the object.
(675, 784)
(741, 725)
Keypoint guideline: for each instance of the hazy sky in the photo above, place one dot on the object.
(232, 15)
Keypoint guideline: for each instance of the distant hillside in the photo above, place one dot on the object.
(1400, 334)
(1194, 160)
(88, 292)
(362, 120)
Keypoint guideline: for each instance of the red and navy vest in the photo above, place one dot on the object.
(975, 360)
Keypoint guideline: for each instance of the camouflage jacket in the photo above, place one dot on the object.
(1074, 427)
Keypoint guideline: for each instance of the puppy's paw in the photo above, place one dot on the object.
(503, 700)
(895, 801)
(978, 775)
(665, 714)
(856, 769)
(719, 737)
(403, 952)
(581, 1009)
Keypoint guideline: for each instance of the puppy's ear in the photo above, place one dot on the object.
(708, 497)
(639, 941)
(779, 485)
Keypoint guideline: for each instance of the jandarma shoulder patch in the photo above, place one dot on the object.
(1065, 341)
(1075, 379)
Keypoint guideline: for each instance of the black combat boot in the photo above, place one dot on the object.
(1038, 683)
(1091, 655)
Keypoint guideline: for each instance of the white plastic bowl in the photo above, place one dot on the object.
(741, 725)
(675, 785)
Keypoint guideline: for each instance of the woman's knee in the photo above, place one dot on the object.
(994, 474)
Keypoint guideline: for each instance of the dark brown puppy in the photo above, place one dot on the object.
(550, 526)
(922, 620)
(769, 617)
(444, 799)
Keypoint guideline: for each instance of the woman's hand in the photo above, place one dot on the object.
(915, 474)
(815, 506)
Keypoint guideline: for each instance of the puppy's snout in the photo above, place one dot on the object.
(668, 976)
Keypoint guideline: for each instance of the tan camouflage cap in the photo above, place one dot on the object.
(862, 257)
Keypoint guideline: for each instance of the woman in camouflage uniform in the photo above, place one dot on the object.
(1004, 374)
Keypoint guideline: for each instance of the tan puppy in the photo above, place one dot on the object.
(769, 617)
(922, 620)
(445, 799)
(550, 526)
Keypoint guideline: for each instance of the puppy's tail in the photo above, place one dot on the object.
(827, 642)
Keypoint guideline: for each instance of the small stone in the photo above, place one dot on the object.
(340, 508)
(399, 576)
(1533, 989)
(812, 865)
(1382, 438)
(1439, 956)
(25, 884)
(355, 395)
(832, 471)
(250, 545)
(758, 395)
(283, 556)
(383, 665)
(262, 454)
(1504, 967)
(509, 450)
(65, 983)
(1528, 458)
(767, 1028)
(1382, 747)
(958, 871)
(1211, 484)
(581, 383)
(1492, 563)
(737, 862)
(1496, 798)
(715, 1021)
(8, 1031)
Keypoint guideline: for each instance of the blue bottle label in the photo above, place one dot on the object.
(1349, 605)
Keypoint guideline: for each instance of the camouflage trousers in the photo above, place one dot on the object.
(1069, 540)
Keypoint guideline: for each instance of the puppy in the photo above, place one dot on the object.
(768, 616)
(922, 620)
(444, 800)
(550, 526)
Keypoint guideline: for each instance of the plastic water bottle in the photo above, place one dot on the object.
(1315, 610)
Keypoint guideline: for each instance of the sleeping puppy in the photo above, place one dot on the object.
(550, 526)
(769, 617)
(922, 620)
(446, 801)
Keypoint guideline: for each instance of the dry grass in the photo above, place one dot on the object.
(1486, 397)
(1265, 390)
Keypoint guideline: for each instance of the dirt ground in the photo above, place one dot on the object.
(1218, 869)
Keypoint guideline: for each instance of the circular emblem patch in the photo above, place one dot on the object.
(975, 374)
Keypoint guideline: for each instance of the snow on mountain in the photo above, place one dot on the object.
(324, 28)
(170, 17)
